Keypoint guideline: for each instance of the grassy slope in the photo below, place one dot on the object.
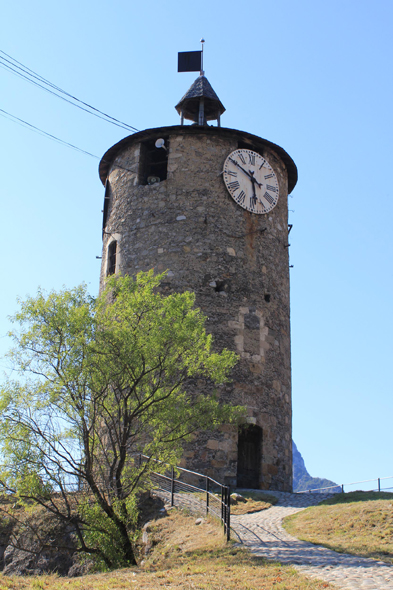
(184, 556)
(360, 523)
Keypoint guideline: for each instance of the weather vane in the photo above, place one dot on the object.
(191, 61)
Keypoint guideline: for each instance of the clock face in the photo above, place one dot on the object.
(251, 181)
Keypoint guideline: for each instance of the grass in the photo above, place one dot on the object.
(255, 501)
(359, 523)
(184, 556)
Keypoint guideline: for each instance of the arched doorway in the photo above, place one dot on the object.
(249, 450)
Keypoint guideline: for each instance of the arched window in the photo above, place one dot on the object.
(112, 250)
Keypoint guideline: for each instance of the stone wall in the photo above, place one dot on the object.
(236, 262)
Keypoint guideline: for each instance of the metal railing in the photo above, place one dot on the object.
(344, 487)
(194, 491)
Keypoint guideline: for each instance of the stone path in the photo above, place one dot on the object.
(263, 534)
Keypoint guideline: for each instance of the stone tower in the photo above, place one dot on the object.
(209, 204)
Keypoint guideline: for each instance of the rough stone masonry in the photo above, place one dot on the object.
(237, 264)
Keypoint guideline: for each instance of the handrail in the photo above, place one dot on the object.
(378, 479)
(183, 469)
(176, 486)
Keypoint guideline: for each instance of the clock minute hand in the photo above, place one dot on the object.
(241, 167)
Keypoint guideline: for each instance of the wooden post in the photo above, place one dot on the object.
(207, 495)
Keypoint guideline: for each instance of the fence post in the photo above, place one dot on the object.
(222, 504)
(224, 507)
(342, 489)
(229, 514)
(172, 486)
(379, 484)
(207, 495)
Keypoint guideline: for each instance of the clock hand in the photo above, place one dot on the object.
(250, 173)
(241, 167)
(254, 180)
(254, 196)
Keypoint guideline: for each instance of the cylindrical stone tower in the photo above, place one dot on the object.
(209, 205)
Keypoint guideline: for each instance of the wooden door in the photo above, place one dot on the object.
(249, 456)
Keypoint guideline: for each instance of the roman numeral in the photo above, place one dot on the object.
(269, 198)
(253, 201)
(230, 173)
(263, 163)
(234, 185)
(268, 176)
(240, 197)
(241, 157)
(251, 159)
(272, 188)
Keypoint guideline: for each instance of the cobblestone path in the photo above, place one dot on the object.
(263, 534)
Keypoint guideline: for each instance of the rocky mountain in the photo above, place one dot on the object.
(302, 480)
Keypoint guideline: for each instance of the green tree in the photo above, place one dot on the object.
(100, 381)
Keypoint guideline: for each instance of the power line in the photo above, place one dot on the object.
(30, 76)
(31, 127)
(15, 119)
(4, 66)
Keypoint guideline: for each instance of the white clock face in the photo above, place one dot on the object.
(251, 181)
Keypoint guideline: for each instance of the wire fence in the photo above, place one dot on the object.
(192, 490)
(374, 486)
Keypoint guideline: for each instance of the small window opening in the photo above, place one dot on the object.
(153, 166)
(107, 199)
(112, 250)
(267, 297)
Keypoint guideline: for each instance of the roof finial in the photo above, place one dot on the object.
(200, 103)
(202, 73)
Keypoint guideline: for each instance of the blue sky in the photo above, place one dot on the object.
(313, 77)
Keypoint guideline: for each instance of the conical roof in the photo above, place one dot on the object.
(189, 104)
